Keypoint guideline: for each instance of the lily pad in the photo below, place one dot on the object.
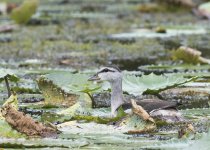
(64, 88)
(9, 74)
(83, 110)
(187, 69)
(130, 124)
(72, 83)
(133, 124)
(146, 33)
(40, 143)
(202, 143)
(152, 84)
(7, 131)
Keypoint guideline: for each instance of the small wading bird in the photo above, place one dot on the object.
(163, 110)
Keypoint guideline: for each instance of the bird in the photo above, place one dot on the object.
(161, 109)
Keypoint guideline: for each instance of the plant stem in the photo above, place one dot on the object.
(8, 88)
(91, 97)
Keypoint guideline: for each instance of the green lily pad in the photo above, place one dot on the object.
(72, 83)
(152, 84)
(83, 110)
(202, 143)
(174, 68)
(40, 143)
(9, 74)
(134, 124)
(7, 131)
(129, 124)
(64, 88)
(196, 113)
(131, 83)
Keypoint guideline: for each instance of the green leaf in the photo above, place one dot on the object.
(202, 143)
(77, 83)
(9, 74)
(82, 110)
(23, 13)
(72, 82)
(65, 88)
(133, 123)
(7, 131)
(40, 143)
(120, 112)
(175, 68)
(152, 84)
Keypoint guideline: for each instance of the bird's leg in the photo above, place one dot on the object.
(115, 104)
(113, 113)
(116, 96)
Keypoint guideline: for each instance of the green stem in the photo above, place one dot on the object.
(7, 85)
(91, 97)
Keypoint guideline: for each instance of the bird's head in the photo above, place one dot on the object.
(109, 73)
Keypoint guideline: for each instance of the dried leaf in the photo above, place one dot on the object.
(189, 55)
(25, 124)
(7, 28)
(186, 131)
(138, 110)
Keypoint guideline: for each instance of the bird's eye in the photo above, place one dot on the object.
(106, 70)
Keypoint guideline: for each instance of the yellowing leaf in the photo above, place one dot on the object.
(138, 110)
(23, 13)
(189, 55)
(12, 100)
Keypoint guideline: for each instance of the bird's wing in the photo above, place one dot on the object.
(155, 104)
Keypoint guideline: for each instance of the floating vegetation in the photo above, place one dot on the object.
(49, 56)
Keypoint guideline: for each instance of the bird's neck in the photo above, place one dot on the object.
(116, 95)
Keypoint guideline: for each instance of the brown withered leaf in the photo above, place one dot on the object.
(189, 55)
(7, 28)
(186, 130)
(138, 110)
(25, 124)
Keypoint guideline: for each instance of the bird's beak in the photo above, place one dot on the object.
(95, 77)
